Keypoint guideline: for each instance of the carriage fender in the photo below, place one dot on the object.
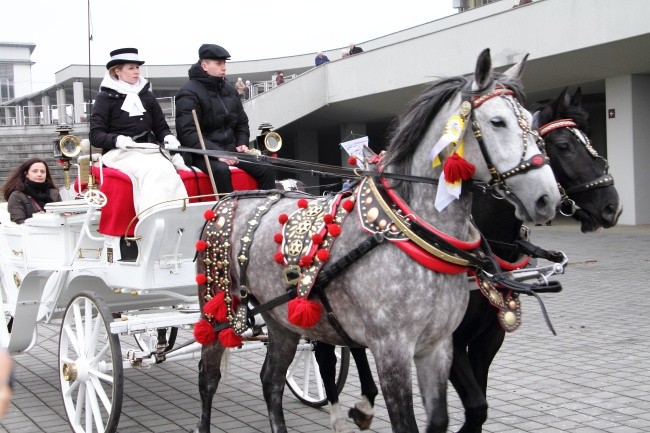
(27, 305)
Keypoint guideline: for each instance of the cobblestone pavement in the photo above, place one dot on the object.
(594, 376)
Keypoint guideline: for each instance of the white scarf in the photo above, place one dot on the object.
(132, 103)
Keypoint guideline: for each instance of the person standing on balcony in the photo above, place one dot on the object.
(279, 78)
(221, 117)
(241, 88)
(354, 49)
(127, 123)
(321, 58)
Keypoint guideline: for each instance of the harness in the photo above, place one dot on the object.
(307, 236)
(568, 206)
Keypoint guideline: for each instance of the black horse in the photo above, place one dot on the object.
(588, 195)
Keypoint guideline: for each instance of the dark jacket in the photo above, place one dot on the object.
(355, 50)
(221, 115)
(21, 206)
(108, 120)
(320, 60)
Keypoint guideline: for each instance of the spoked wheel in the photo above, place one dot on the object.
(303, 376)
(90, 366)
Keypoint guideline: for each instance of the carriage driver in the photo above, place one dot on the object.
(126, 111)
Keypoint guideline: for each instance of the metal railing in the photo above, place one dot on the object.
(20, 115)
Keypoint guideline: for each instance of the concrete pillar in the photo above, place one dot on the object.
(350, 131)
(306, 149)
(628, 129)
(60, 105)
(47, 111)
(31, 113)
(78, 100)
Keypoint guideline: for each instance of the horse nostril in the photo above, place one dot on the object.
(542, 203)
(610, 213)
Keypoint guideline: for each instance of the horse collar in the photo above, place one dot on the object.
(381, 210)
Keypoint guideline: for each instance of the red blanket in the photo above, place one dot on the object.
(119, 211)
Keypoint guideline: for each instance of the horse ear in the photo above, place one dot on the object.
(515, 71)
(562, 101)
(483, 72)
(576, 100)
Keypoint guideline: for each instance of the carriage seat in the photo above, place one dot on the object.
(119, 209)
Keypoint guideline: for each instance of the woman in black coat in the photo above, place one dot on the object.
(127, 123)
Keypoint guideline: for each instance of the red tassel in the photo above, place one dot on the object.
(458, 168)
(348, 205)
(352, 160)
(208, 214)
(303, 312)
(334, 229)
(317, 238)
(216, 307)
(328, 218)
(201, 279)
(277, 238)
(303, 203)
(283, 218)
(201, 245)
(278, 257)
(204, 333)
(323, 255)
(229, 338)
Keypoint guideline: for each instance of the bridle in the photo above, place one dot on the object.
(568, 206)
(536, 161)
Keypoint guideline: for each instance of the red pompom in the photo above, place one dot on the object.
(317, 238)
(303, 203)
(306, 261)
(201, 245)
(204, 333)
(334, 229)
(216, 307)
(283, 218)
(348, 205)
(229, 338)
(303, 312)
(208, 214)
(328, 218)
(323, 255)
(458, 168)
(201, 279)
(278, 257)
(277, 238)
(352, 160)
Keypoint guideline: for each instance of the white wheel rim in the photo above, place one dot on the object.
(304, 377)
(85, 345)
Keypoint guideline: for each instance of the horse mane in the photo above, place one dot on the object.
(546, 113)
(408, 129)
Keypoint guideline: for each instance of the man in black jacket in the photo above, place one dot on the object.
(221, 116)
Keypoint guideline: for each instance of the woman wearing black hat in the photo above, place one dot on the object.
(127, 123)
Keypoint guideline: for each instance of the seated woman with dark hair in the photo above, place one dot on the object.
(28, 189)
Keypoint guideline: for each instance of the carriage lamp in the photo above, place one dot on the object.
(269, 140)
(66, 147)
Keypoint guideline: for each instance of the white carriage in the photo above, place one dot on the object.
(58, 267)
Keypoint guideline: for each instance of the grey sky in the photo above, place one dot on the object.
(170, 32)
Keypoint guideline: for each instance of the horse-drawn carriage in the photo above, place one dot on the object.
(76, 263)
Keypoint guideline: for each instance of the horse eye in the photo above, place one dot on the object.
(498, 123)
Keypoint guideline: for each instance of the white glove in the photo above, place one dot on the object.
(179, 164)
(171, 142)
(123, 141)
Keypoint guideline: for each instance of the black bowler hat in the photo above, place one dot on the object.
(122, 56)
(212, 51)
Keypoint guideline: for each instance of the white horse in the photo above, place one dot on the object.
(405, 293)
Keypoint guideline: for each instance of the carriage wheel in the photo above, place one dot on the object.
(303, 376)
(90, 366)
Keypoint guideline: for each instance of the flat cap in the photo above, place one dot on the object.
(212, 51)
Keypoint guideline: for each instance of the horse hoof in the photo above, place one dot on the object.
(360, 418)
